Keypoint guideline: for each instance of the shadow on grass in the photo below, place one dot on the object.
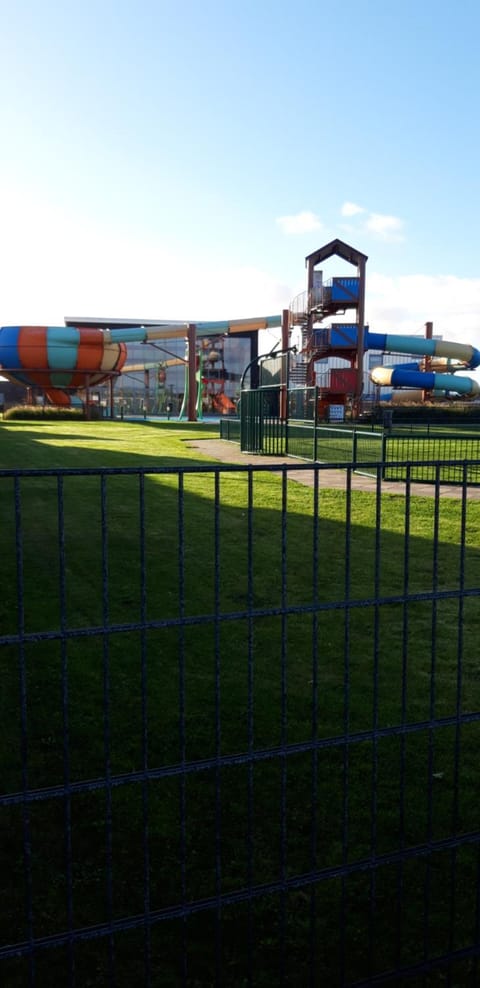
(293, 681)
(48, 447)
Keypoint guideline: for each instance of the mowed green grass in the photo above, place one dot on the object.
(246, 680)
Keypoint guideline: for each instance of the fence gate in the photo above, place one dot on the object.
(263, 429)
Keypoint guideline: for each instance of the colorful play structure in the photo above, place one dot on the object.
(434, 372)
(211, 377)
(64, 363)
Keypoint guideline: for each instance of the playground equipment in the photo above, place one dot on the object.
(214, 376)
(211, 377)
(442, 373)
(223, 404)
(156, 395)
(309, 309)
(64, 360)
(59, 359)
(437, 371)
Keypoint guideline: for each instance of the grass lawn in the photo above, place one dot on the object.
(292, 616)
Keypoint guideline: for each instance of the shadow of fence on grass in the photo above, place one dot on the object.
(241, 722)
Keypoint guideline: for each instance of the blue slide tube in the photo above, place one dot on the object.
(410, 376)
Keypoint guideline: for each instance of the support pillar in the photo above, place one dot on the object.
(427, 395)
(357, 404)
(146, 391)
(284, 366)
(309, 313)
(87, 397)
(192, 367)
(111, 383)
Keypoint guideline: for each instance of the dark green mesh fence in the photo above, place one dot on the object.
(279, 424)
(301, 404)
(449, 450)
(368, 447)
(262, 427)
(230, 429)
(301, 440)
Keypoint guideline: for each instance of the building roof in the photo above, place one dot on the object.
(338, 248)
(170, 328)
(89, 322)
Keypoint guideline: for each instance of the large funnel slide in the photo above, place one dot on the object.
(64, 359)
(59, 359)
(454, 356)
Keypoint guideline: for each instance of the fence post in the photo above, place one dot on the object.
(354, 446)
(384, 453)
(315, 424)
(286, 418)
(244, 412)
(259, 419)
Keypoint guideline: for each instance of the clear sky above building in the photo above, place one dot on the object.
(167, 160)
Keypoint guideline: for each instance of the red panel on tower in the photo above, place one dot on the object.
(343, 379)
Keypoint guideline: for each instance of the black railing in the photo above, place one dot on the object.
(240, 729)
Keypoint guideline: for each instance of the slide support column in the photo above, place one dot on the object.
(357, 402)
(192, 383)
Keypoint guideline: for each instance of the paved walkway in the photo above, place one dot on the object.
(228, 452)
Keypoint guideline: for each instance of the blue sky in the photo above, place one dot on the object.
(166, 160)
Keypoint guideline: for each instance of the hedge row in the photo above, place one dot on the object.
(451, 412)
(40, 413)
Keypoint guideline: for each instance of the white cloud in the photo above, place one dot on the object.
(382, 226)
(351, 209)
(303, 222)
(388, 228)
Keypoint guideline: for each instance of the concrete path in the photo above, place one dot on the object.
(229, 452)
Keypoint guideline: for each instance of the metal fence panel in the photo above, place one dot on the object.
(449, 448)
(262, 424)
(230, 429)
(241, 720)
(269, 428)
(301, 439)
(349, 446)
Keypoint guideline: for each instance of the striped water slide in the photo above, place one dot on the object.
(63, 359)
(455, 356)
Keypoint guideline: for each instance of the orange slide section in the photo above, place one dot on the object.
(223, 404)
